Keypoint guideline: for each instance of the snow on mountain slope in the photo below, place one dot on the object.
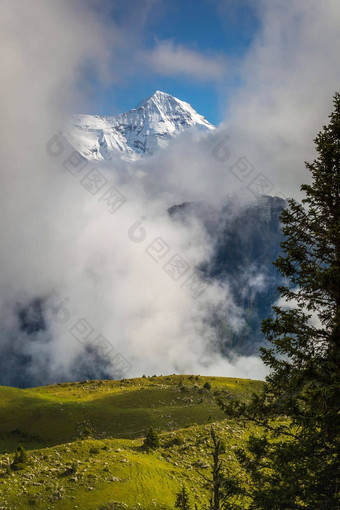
(138, 132)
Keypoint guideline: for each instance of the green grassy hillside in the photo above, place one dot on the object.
(66, 471)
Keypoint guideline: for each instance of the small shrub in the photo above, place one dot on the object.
(20, 459)
(86, 433)
(176, 441)
(207, 386)
(71, 470)
(94, 450)
(18, 466)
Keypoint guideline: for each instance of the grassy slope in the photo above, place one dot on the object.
(49, 421)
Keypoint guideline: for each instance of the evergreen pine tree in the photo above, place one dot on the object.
(151, 439)
(182, 499)
(293, 463)
(226, 493)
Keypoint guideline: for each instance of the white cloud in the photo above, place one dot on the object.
(289, 76)
(57, 238)
(170, 59)
(54, 237)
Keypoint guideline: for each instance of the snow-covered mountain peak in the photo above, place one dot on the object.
(170, 107)
(157, 97)
(138, 132)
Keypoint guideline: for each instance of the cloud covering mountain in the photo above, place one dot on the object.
(79, 286)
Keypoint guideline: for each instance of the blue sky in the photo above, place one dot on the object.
(214, 34)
